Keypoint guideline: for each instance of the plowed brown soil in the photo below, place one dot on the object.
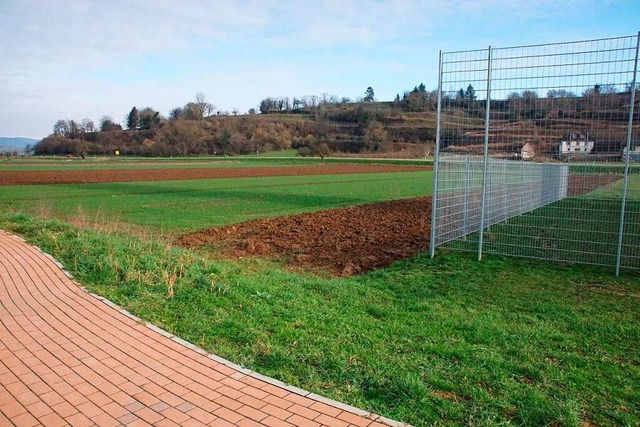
(586, 183)
(343, 241)
(168, 174)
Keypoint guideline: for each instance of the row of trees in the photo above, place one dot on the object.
(298, 104)
(146, 119)
(418, 99)
(68, 128)
(221, 135)
(149, 119)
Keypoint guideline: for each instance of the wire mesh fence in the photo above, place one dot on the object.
(537, 152)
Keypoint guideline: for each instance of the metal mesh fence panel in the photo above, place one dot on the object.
(537, 152)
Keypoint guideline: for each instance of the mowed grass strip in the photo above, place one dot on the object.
(183, 206)
(448, 341)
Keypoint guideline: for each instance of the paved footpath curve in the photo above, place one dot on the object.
(68, 357)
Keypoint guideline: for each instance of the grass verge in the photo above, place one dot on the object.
(448, 341)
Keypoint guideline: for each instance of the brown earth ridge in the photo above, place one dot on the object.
(168, 174)
(343, 241)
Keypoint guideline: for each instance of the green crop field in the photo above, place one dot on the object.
(447, 341)
(181, 206)
(275, 159)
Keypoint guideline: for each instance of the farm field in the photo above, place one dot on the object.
(445, 340)
(32, 177)
(272, 159)
(172, 207)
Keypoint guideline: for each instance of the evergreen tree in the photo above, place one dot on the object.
(369, 96)
(133, 119)
(470, 93)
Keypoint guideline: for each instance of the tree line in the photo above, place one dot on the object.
(316, 121)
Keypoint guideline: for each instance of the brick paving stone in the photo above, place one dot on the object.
(39, 409)
(201, 415)
(25, 420)
(64, 409)
(252, 413)
(297, 420)
(105, 420)
(69, 358)
(354, 419)
(325, 409)
(331, 421)
(115, 410)
(12, 409)
(223, 423)
(149, 415)
(52, 420)
(249, 423)
(174, 415)
(79, 420)
(304, 412)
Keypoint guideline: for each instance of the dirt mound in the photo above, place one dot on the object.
(169, 174)
(343, 241)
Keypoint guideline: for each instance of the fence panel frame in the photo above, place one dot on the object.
(528, 64)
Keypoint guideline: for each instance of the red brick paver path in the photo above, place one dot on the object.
(70, 358)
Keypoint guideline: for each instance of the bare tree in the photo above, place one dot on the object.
(205, 108)
(61, 127)
(175, 114)
(74, 127)
(87, 125)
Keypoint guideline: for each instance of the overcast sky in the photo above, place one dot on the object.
(76, 59)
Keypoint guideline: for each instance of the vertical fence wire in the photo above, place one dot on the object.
(537, 152)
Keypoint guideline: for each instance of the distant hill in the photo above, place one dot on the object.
(17, 143)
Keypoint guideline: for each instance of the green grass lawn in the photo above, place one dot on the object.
(448, 341)
(181, 206)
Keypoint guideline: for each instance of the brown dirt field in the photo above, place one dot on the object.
(344, 241)
(586, 183)
(133, 175)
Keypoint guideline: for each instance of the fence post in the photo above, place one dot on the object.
(522, 185)
(625, 185)
(436, 164)
(465, 207)
(486, 156)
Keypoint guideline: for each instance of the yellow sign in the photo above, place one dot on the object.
(117, 152)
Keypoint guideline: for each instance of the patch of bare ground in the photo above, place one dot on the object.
(32, 177)
(344, 241)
